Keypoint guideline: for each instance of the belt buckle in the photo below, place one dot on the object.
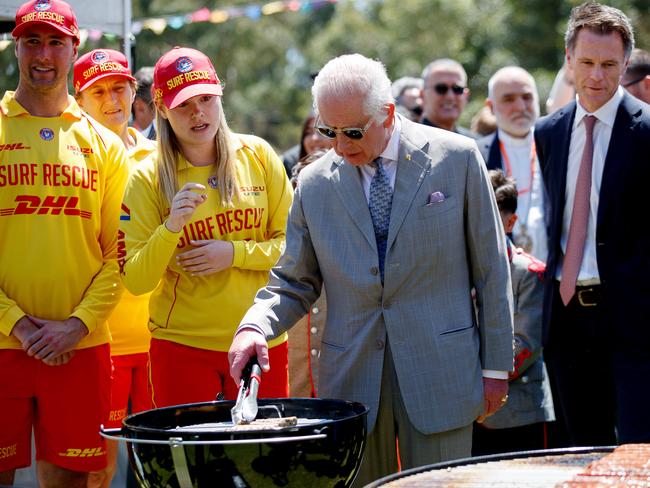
(582, 301)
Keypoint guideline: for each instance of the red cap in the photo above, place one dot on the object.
(55, 13)
(184, 73)
(98, 64)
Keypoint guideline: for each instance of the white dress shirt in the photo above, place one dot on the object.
(390, 156)
(147, 130)
(530, 202)
(389, 161)
(606, 116)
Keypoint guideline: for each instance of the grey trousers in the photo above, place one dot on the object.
(415, 449)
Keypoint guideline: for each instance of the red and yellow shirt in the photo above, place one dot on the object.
(204, 311)
(61, 184)
(129, 322)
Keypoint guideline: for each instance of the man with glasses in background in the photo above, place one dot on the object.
(398, 223)
(445, 95)
(636, 79)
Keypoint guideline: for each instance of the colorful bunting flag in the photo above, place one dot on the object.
(217, 16)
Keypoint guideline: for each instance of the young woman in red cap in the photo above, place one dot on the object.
(201, 228)
(105, 88)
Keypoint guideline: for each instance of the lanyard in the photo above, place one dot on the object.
(506, 161)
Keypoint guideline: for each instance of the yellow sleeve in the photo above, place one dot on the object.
(262, 256)
(101, 297)
(10, 313)
(146, 245)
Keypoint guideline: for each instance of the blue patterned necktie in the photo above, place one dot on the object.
(379, 203)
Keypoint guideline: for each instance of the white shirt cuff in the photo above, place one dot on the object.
(497, 375)
(249, 327)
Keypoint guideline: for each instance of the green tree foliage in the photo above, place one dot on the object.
(265, 63)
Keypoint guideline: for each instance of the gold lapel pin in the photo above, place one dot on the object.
(408, 157)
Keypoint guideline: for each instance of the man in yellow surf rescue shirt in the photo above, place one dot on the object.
(62, 177)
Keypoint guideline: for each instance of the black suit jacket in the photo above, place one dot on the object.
(622, 230)
(152, 133)
(489, 147)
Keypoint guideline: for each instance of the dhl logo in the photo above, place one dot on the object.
(15, 146)
(88, 452)
(52, 205)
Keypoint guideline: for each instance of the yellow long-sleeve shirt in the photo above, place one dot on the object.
(129, 321)
(61, 185)
(204, 311)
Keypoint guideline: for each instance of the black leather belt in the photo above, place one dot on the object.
(589, 296)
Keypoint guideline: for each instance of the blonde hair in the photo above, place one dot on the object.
(169, 151)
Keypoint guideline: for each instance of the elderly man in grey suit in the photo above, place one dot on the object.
(399, 223)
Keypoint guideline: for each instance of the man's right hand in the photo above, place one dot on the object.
(25, 329)
(246, 344)
(55, 339)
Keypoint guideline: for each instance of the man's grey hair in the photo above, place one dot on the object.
(144, 77)
(354, 75)
(601, 19)
(639, 65)
(402, 84)
(507, 72)
(445, 64)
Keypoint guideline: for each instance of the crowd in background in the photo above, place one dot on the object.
(183, 222)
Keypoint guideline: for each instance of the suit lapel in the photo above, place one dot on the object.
(618, 152)
(563, 129)
(412, 166)
(347, 184)
(494, 158)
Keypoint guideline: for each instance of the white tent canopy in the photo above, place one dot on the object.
(104, 15)
(112, 16)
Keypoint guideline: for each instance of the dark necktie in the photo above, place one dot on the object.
(579, 217)
(379, 203)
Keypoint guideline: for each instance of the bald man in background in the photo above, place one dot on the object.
(513, 99)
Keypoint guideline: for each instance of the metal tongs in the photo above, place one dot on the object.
(245, 409)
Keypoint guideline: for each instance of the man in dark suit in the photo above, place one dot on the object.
(444, 95)
(594, 159)
(513, 99)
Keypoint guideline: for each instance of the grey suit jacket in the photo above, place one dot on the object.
(435, 254)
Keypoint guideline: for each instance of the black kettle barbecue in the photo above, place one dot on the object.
(216, 444)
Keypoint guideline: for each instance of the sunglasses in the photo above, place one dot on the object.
(354, 133)
(442, 89)
(634, 82)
